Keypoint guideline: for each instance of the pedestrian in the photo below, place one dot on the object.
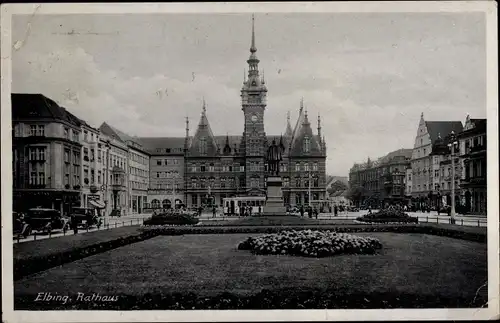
(214, 211)
(74, 224)
(260, 210)
(302, 211)
(438, 209)
(250, 210)
(309, 212)
(316, 212)
(335, 210)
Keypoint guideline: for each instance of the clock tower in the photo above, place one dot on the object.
(253, 101)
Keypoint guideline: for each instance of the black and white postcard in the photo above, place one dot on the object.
(250, 161)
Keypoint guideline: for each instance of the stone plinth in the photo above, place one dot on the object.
(274, 203)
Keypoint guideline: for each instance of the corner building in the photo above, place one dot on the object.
(226, 166)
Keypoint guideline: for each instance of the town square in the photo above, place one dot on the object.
(229, 161)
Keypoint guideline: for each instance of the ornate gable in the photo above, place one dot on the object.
(203, 143)
(304, 142)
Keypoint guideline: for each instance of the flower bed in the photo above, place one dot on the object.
(387, 216)
(171, 219)
(310, 244)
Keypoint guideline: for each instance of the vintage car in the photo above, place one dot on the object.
(19, 225)
(46, 220)
(84, 217)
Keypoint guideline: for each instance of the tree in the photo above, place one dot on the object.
(336, 186)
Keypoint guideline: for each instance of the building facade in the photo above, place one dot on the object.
(91, 167)
(166, 172)
(225, 166)
(472, 143)
(382, 182)
(47, 161)
(424, 163)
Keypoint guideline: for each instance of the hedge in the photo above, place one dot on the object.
(448, 231)
(266, 299)
(169, 219)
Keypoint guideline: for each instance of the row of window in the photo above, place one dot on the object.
(37, 154)
(138, 185)
(71, 134)
(167, 186)
(169, 174)
(160, 162)
(138, 172)
(37, 130)
(443, 186)
(139, 158)
(254, 166)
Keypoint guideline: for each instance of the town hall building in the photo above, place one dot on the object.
(235, 165)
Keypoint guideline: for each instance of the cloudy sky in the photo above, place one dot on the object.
(369, 75)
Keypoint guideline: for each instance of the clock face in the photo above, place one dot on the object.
(254, 118)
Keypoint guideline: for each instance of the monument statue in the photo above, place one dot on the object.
(274, 197)
(274, 157)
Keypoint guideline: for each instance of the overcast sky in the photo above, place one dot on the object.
(368, 75)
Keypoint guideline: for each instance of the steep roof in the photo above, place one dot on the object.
(400, 152)
(204, 131)
(151, 144)
(38, 106)
(435, 128)
(113, 132)
(302, 131)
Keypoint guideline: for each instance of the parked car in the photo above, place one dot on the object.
(19, 225)
(84, 217)
(46, 220)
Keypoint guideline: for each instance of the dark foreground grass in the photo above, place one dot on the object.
(44, 247)
(412, 270)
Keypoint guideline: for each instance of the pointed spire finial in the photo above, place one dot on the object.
(422, 115)
(263, 79)
(204, 111)
(288, 116)
(253, 49)
(301, 104)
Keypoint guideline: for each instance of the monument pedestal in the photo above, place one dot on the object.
(274, 203)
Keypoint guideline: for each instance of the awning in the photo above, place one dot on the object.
(97, 204)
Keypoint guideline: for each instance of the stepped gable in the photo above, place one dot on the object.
(204, 143)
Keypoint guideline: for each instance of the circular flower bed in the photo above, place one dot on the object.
(387, 216)
(310, 243)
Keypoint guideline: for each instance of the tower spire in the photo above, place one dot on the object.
(319, 127)
(301, 104)
(204, 109)
(253, 49)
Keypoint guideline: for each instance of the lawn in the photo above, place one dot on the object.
(409, 264)
(43, 247)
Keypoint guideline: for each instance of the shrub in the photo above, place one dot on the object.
(171, 219)
(387, 216)
(310, 244)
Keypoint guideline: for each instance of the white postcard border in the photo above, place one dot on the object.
(488, 7)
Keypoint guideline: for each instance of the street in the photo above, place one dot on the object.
(137, 219)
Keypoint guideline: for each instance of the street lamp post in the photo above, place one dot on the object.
(452, 144)
(309, 190)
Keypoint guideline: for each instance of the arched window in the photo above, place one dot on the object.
(203, 182)
(155, 204)
(297, 181)
(211, 182)
(211, 167)
(166, 204)
(223, 182)
(306, 167)
(194, 183)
